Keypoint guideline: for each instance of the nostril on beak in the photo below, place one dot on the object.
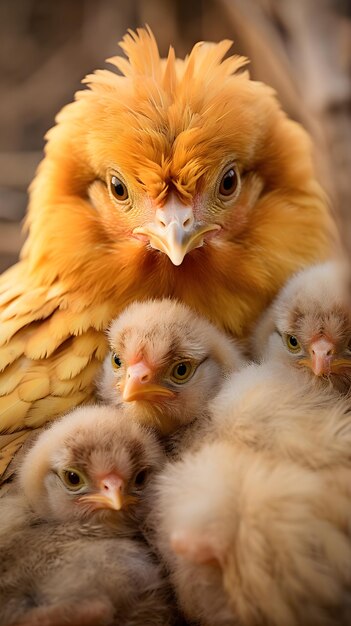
(161, 219)
(188, 221)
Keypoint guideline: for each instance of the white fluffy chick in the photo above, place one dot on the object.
(255, 524)
(309, 324)
(166, 363)
(70, 550)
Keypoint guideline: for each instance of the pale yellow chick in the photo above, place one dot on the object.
(309, 324)
(166, 364)
(255, 523)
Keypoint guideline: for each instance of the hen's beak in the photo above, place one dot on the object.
(138, 384)
(174, 230)
(321, 356)
(110, 495)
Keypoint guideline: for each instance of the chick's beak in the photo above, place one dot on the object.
(139, 385)
(110, 494)
(321, 356)
(174, 230)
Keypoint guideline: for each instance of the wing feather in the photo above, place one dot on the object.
(46, 367)
(14, 375)
(35, 384)
(50, 407)
(82, 381)
(10, 352)
(13, 411)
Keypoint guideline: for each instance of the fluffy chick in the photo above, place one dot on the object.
(189, 181)
(251, 542)
(166, 363)
(309, 325)
(70, 552)
(254, 524)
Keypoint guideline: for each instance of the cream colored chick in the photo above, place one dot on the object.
(69, 552)
(166, 363)
(251, 542)
(276, 410)
(309, 324)
(255, 524)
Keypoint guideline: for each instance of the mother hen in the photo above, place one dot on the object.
(177, 178)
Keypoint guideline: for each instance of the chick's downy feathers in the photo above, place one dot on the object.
(250, 542)
(309, 325)
(109, 457)
(71, 550)
(177, 178)
(254, 523)
(166, 363)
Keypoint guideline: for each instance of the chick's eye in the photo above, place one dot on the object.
(118, 189)
(181, 371)
(72, 479)
(140, 477)
(229, 183)
(116, 361)
(292, 343)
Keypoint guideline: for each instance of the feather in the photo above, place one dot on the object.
(13, 411)
(34, 384)
(9, 448)
(52, 406)
(14, 375)
(169, 81)
(80, 382)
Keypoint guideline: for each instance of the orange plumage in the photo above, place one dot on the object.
(179, 178)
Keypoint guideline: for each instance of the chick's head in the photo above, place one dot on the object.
(309, 325)
(92, 463)
(166, 363)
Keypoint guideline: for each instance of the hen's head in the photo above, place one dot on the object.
(309, 324)
(92, 463)
(176, 163)
(166, 363)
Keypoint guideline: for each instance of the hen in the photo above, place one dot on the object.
(166, 364)
(309, 325)
(179, 178)
(69, 546)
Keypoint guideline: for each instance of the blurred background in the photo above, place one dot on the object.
(300, 47)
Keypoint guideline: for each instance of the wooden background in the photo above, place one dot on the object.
(301, 47)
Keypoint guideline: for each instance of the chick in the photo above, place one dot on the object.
(255, 523)
(309, 325)
(166, 363)
(189, 182)
(251, 542)
(70, 548)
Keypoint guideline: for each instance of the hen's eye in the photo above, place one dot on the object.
(229, 183)
(118, 188)
(181, 371)
(116, 361)
(72, 479)
(141, 477)
(292, 343)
